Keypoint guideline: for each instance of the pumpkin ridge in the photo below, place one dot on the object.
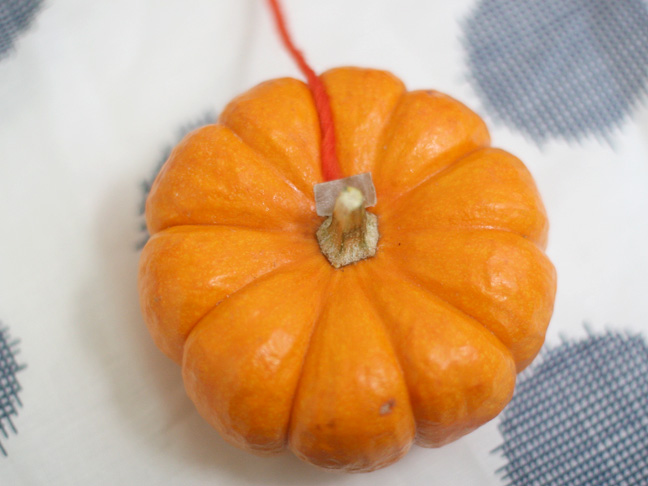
(177, 287)
(195, 185)
(427, 130)
(270, 165)
(380, 155)
(404, 275)
(385, 327)
(404, 278)
(324, 300)
(536, 257)
(435, 175)
(467, 227)
(306, 234)
(353, 396)
(487, 189)
(259, 277)
(373, 89)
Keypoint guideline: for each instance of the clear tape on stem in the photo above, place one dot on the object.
(326, 193)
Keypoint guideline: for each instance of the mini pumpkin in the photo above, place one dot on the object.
(347, 367)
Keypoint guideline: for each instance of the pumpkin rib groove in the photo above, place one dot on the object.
(232, 319)
(437, 174)
(174, 205)
(454, 226)
(283, 176)
(433, 283)
(318, 316)
(459, 201)
(380, 139)
(270, 229)
(434, 106)
(388, 332)
(259, 277)
(414, 281)
(402, 278)
(345, 378)
(274, 168)
(369, 85)
(171, 273)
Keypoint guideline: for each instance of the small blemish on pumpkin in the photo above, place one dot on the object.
(387, 407)
(331, 424)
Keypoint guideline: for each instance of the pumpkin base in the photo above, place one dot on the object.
(351, 233)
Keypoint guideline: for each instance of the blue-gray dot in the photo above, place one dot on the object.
(9, 385)
(15, 17)
(579, 415)
(563, 69)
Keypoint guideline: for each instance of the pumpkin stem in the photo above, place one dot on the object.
(351, 233)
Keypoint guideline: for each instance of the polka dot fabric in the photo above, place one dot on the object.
(15, 16)
(579, 416)
(9, 386)
(563, 69)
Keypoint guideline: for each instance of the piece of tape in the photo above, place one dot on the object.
(327, 192)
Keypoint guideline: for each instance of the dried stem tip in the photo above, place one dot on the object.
(351, 233)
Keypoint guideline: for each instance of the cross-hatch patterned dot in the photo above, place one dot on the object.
(15, 17)
(563, 69)
(9, 385)
(205, 118)
(579, 416)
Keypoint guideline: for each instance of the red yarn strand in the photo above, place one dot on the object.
(330, 165)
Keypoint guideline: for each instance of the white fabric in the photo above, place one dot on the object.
(93, 95)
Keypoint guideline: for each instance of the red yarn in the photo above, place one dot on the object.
(330, 165)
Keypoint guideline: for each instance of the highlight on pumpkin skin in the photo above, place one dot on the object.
(500, 279)
(278, 120)
(429, 130)
(229, 182)
(234, 266)
(458, 374)
(243, 360)
(487, 189)
(178, 284)
(351, 409)
(362, 102)
(374, 133)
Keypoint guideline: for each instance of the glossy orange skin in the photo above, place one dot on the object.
(347, 368)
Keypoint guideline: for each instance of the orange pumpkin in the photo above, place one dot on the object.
(347, 367)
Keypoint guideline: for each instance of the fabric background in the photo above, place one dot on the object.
(15, 17)
(579, 415)
(90, 99)
(562, 69)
